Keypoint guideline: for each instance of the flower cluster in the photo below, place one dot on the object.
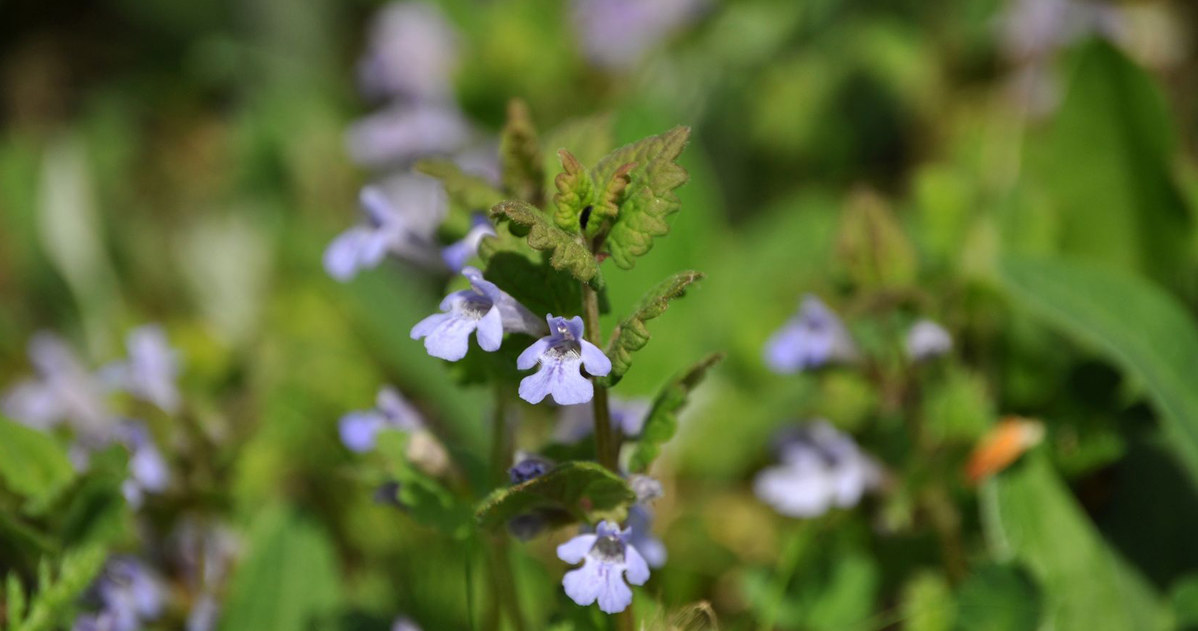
(820, 468)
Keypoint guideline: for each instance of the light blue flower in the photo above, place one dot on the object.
(129, 594)
(562, 354)
(821, 468)
(148, 471)
(484, 309)
(402, 133)
(641, 537)
(926, 340)
(63, 390)
(812, 338)
(615, 34)
(360, 429)
(608, 559)
(411, 53)
(458, 254)
(398, 220)
(404, 623)
(150, 371)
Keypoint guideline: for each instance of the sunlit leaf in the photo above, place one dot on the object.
(662, 421)
(32, 463)
(567, 252)
(632, 333)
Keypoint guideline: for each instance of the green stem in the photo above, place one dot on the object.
(503, 579)
(788, 564)
(606, 447)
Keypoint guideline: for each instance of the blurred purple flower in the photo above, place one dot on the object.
(411, 54)
(926, 340)
(527, 467)
(402, 133)
(608, 558)
(641, 537)
(821, 468)
(129, 596)
(403, 623)
(392, 411)
(148, 471)
(62, 391)
(562, 355)
(150, 371)
(812, 338)
(615, 34)
(458, 254)
(484, 309)
(578, 421)
(401, 224)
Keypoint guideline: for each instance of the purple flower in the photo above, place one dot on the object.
(401, 224)
(528, 467)
(821, 468)
(578, 421)
(360, 429)
(150, 372)
(63, 390)
(411, 53)
(129, 595)
(148, 471)
(204, 613)
(926, 340)
(641, 537)
(403, 623)
(812, 338)
(608, 559)
(403, 133)
(615, 34)
(562, 354)
(457, 254)
(484, 309)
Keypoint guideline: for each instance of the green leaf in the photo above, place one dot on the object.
(998, 598)
(575, 193)
(1132, 322)
(52, 605)
(1184, 600)
(471, 192)
(32, 464)
(662, 421)
(1030, 515)
(927, 603)
(608, 200)
(582, 489)
(288, 581)
(14, 601)
(520, 154)
(632, 334)
(649, 197)
(568, 253)
(424, 497)
(872, 245)
(1109, 167)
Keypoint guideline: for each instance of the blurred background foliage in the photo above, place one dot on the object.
(1028, 185)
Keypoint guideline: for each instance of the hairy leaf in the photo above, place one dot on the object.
(662, 421)
(649, 197)
(575, 193)
(32, 464)
(567, 252)
(520, 153)
(471, 192)
(632, 333)
(583, 489)
(608, 200)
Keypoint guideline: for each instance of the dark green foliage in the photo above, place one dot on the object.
(567, 253)
(585, 490)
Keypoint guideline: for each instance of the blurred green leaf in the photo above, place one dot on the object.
(32, 464)
(1184, 598)
(568, 253)
(1031, 516)
(1108, 166)
(662, 421)
(872, 245)
(1131, 321)
(575, 194)
(649, 197)
(927, 603)
(957, 407)
(632, 334)
(53, 603)
(582, 489)
(520, 153)
(471, 192)
(998, 598)
(288, 580)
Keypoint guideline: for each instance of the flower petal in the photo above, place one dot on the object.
(358, 430)
(568, 386)
(614, 595)
(576, 549)
(532, 354)
(535, 387)
(450, 340)
(584, 584)
(595, 361)
(341, 257)
(489, 331)
(636, 569)
(426, 326)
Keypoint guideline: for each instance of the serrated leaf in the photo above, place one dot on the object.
(583, 489)
(471, 192)
(575, 193)
(535, 284)
(520, 155)
(1130, 320)
(632, 333)
(568, 253)
(288, 580)
(1031, 515)
(649, 197)
(662, 421)
(32, 464)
